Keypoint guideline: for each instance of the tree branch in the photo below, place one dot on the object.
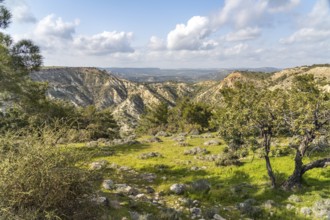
(315, 164)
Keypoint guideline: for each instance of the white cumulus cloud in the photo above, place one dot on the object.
(105, 43)
(52, 26)
(191, 36)
(242, 13)
(307, 35)
(315, 27)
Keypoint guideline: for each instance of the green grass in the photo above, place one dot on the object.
(223, 179)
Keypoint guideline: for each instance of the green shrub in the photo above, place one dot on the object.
(39, 180)
(228, 159)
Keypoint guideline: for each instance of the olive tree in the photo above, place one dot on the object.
(250, 113)
(307, 117)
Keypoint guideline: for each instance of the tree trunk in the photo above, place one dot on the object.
(295, 179)
(316, 164)
(267, 141)
(270, 171)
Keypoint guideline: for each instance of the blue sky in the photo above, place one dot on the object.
(175, 34)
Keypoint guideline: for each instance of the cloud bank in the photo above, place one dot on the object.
(240, 33)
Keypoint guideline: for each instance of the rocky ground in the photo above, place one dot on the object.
(158, 178)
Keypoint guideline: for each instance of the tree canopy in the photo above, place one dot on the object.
(252, 115)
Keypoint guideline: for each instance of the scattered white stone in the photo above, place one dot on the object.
(289, 207)
(108, 184)
(306, 211)
(97, 165)
(140, 196)
(211, 142)
(178, 188)
(101, 200)
(218, 217)
(294, 198)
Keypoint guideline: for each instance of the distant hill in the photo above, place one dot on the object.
(178, 75)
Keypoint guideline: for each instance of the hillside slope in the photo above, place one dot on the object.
(90, 86)
(282, 79)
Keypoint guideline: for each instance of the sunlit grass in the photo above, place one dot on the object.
(177, 169)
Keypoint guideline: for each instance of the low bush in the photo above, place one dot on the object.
(228, 159)
(39, 180)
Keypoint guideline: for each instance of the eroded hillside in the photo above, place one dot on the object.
(92, 86)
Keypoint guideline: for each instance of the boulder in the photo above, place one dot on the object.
(178, 188)
(97, 165)
(218, 217)
(211, 143)
(92, 144)
(150, 155)
(153, 140)
(108, 184)
(195, 151)
(196, 211)
(306, 211)
(126, 189)
(321, 208)
(150, 190)
(149, 177)
(194, 132)
(101, 200)
(294, 198)
(162, 134)
(269, 204)
(201, 185)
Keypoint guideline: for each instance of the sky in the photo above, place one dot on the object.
(175, 33)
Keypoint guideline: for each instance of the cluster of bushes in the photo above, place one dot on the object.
(84, 124)
(186, 116)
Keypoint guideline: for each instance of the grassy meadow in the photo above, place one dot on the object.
(230, 185)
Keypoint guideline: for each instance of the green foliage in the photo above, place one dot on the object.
(248, 112)
(228, 158)
(39, 180)
(98, 124)
(155, 119)
(256, 75)
(307, 110)
(5, 16)
(253, 116)
(185, 116)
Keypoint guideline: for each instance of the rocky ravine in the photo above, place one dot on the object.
(90, 86)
